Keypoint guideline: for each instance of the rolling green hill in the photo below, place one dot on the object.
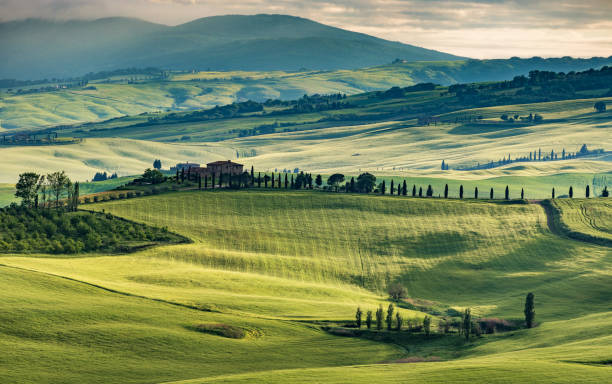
(109, 96)
(314, 256)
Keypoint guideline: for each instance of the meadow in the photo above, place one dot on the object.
(313, 257)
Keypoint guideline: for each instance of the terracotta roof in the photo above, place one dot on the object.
(223, 163)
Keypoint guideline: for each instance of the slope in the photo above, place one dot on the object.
(221, 42)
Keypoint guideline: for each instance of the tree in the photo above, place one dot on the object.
(157, 164)
(318, 181)
(398, 321)
(529, 310)
(427, 325)
(429, 191)
(443, 165)
(358, 317)
(553, 192)
(287, 180)
(58, 182)
(461, 191)
(491, 194)
(252, 176)
(383, 188)
(466, 323)
(74, 197)
(27, 188)
(153, 176)
(413, 190)
(605, 192)
(600, 106)
(420, 191)
(352, 185)
(571, 192)
(379, 318)
(404, 188)
(507, 193)
(476, 193)
(266, 180)
(369, 320)
(392, 189)
(366, 182)
(212, 181)
(334, 180)
(587, 193)
(389, 318)
(523, 193)
(446, 191)
(272, 178)
(397, 292)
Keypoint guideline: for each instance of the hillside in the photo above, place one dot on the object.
(260, 42)
(131, 91)
(313, 259)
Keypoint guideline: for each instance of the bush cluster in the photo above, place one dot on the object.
(26, 230)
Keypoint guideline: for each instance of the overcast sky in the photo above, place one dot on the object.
(474, 28)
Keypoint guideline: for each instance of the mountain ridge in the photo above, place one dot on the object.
(39, 48)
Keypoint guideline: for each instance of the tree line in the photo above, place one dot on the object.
(466, 325)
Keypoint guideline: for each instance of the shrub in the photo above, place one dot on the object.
(223, 330)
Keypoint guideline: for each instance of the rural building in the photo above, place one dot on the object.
(219, 167)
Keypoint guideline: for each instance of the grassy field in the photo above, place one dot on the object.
(313, 256)
(399, 148)
(588, 219)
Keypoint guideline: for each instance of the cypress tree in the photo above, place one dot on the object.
(279, 181)
(220, 179)
(205, 182)
(286, 181)
(379, 318)
(183, 175)
(413, 190)
(392, 190)
(259, 180)
(199, 181)
(491, 194)
(252, 176)
(420, 191)
(404, 188)
(177, 176)
(571, 192)
(213, 181)
(446, 191)
(461, 191)
(358, 318)
(352, 184)
(466, 323)
(427, 325)
(476, 193)
(383, 188)
(507, 194)
(369, 320)
(272, 180)
(292, 184)
(553, 192)
(523, 194)
(529, 310)
(588, 192)
(390, 316)
(429, 191)
(398, 321)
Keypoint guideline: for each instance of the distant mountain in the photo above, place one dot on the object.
(35, 48)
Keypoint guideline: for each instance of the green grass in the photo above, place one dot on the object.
(588, 219)
(263, 259)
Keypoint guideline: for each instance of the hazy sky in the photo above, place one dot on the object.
(474, 28)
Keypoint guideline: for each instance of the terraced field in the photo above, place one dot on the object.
(314, 256)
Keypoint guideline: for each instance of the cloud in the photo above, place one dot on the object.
(475, 28)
